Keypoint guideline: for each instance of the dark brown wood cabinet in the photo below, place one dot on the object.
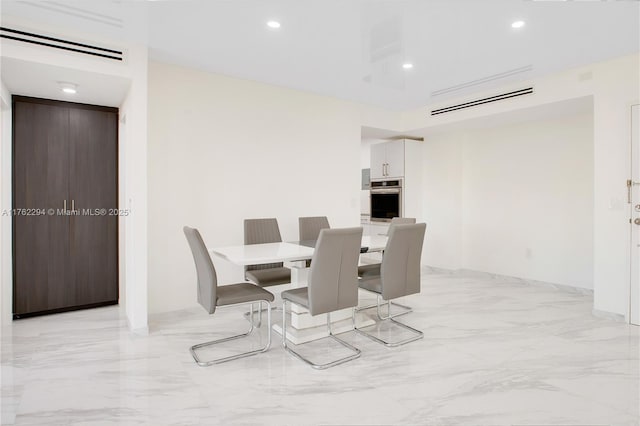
(65, 201)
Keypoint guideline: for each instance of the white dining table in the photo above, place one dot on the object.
(304, 327)
(255, 254)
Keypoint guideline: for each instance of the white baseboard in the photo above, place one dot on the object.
(609, 315)
(562, 287)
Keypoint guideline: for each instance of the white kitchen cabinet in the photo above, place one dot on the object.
(395, 158)
(400, 160)
(387, 159)
(378, 160)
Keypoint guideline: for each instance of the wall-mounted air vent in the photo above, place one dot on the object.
(57, 43)
(483, 101)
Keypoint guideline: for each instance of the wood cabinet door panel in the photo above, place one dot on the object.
(93, 189)
(65, 155)
(42, 279)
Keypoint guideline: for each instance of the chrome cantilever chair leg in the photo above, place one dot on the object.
(249, 315)
(226, 339)
(356, 351)
(417, 333)
(407, 309)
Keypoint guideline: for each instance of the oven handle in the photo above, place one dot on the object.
(386, 191)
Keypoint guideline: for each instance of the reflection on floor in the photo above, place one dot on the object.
(496, 351)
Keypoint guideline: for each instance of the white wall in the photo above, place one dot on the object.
(132, 156)
(615, 86)
(222, 150)
(515, 200)
(442, 202)
(6, 265)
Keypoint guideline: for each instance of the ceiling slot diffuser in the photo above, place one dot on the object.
(477, 102)
(57, 43)
(77, 12)
(483, 80)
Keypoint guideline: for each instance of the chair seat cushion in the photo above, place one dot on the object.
(373, 283)
(369, 270)
(299, 296)
(271, 276)
(241, 293)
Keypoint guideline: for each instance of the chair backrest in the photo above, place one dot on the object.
(207, 278)
(260, 231)
(310, 227)
(402, 220)
(333, 278)
(400, 269)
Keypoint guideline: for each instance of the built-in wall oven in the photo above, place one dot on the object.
(386, 200)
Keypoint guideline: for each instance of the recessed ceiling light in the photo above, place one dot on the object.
(407, 66)
(517, 24)
(69, 88)
(273, 24)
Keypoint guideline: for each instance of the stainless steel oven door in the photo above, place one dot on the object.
(386, 203)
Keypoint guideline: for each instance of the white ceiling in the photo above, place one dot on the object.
(354, 49)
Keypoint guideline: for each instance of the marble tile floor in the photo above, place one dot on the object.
(496, 351)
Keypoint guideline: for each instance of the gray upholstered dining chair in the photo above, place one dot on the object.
(309, 228)
(212, 296)
(402, 220)
(394, 221)
(399, 275)
(332, 285)
(374, 268)
(259, 231)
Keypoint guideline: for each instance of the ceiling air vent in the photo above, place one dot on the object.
(483, 101)
(480, 81)
(57, 43)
